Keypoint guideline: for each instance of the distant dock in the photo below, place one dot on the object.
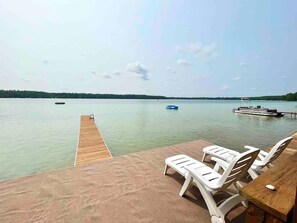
(292, 114)
(91, 146)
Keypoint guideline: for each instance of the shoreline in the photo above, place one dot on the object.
(64, 95)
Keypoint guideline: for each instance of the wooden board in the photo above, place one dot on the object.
(284, 177)
(91, 146)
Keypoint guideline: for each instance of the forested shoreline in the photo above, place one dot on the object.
(41, 94)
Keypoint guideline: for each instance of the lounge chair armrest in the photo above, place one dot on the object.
(198, 177)
(250, 147)
(263, 153)
(219, 163)
(258, 163)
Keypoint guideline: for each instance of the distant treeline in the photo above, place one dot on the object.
(287, 97)
(41, 94)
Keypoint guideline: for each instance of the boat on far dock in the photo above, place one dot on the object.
(60, 103)
(174, 107)
(258, 110)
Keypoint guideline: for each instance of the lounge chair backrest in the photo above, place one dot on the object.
(238, 167)
(277, 150)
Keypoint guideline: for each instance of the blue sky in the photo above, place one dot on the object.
(170, 48)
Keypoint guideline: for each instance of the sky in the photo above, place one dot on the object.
(182, 48)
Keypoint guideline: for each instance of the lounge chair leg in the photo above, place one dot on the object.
(215, 219)
(166, 168)
(253, 173)
(186, 185)
(203, 158)
(228, 204)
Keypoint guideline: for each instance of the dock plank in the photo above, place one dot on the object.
(91, 146)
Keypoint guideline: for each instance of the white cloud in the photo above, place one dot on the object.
(195, 47)
(242, 63)
(170, 69)
(215, 54)
(25, 80)
(224, 87)
(283, 76)
(138, 68)
(106, 76)
(182, 62)
(180, 49)
(237, 78)
(207, 51)
(116, 72)
(204, 52)
(253, 88)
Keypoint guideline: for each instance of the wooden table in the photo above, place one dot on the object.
(274, 206)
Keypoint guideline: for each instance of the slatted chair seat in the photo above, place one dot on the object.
(179, 162)
(220, 152)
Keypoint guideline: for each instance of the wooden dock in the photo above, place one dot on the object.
(292, 114)
(130, 188)
(91, 146)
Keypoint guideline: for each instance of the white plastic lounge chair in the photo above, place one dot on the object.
(179, 162)
(209, 181)
(265, 158)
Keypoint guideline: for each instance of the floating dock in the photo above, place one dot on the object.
(91, 146)
(292, 114)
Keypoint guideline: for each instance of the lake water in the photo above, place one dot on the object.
(36, 135)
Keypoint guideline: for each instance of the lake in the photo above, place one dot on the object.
(37, 136)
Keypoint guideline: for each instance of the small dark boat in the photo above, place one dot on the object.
(60, 103)
(175, 107)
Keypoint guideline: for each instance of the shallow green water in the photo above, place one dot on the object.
(36, 135)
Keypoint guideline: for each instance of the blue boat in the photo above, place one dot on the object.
(175, 107)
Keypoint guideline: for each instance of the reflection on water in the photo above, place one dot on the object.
(255, 119)
(37, 135)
